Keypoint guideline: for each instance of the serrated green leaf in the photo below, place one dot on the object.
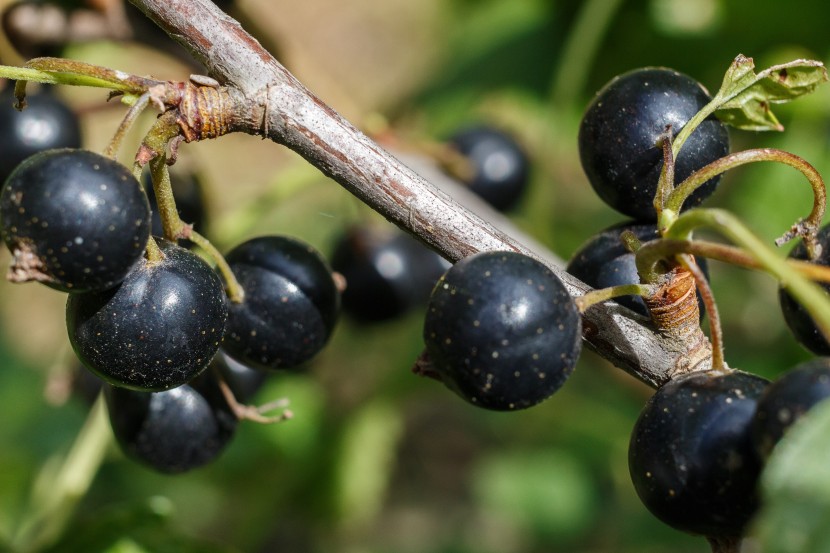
(796, 489)
(744, 99)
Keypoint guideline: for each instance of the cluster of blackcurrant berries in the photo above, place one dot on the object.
(698, 447)
(145, 314)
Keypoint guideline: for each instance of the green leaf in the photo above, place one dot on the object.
(745, 97)
(796, 489)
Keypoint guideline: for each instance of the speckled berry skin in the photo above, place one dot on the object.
(291, 303)
(691, 456)
(158, 329)
(45, 124)
(501, 169)
(172, 431)
(74, 220)
(787, 399)
(619, 133)
(798, 320)
(502, 331)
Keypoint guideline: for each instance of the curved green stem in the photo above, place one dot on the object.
(810, 295)
(694, 123)
(604, 294)
(61, 490)
(810, 225)
(235, 291)
(129, 120)
(175, 228)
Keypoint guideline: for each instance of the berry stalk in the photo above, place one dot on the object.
(809, 294)
(807, 227)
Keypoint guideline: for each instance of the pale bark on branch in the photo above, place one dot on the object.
(270, 102)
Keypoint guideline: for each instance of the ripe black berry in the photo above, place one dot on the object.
(603, 261)
(501, 169)
(158, 329)
(172, 431)
(691, 456)
(47, 123)
(74, 220)
(290, 307)
(798, 320)
(787, 399)
(387, 274)
(502, 331)
(619, 134)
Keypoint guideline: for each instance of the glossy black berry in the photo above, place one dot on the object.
(290, 307)
(387, 274)
(619, 134)
(47, 123)
(787, 399)
(603, 261)
(172, 431)
(158, 329)
(500, 168)
(502, 331)
(798, 320)
(74, 220)
(691, 456)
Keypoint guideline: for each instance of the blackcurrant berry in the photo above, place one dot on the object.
(691, 456)
(502, 331)
(500, 168)
(291, 303)
(619, 133)
(74, 220)
(798, 320)
(787, 399)
(156, 330)
(47, 123)
(603, 261)
(172, 431)
(387, 274)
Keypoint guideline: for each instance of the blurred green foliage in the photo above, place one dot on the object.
(378, 460)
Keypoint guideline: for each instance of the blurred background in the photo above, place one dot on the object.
(378, 459)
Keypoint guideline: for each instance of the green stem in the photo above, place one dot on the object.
(172, 225)
(698, 178)
(580, 49)
(129, 120)
(152, 252)
(175, 228)
(654, 253)
(604, 294)
(665, 184)
(810, 295)
(234, 289)
(51, 510)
